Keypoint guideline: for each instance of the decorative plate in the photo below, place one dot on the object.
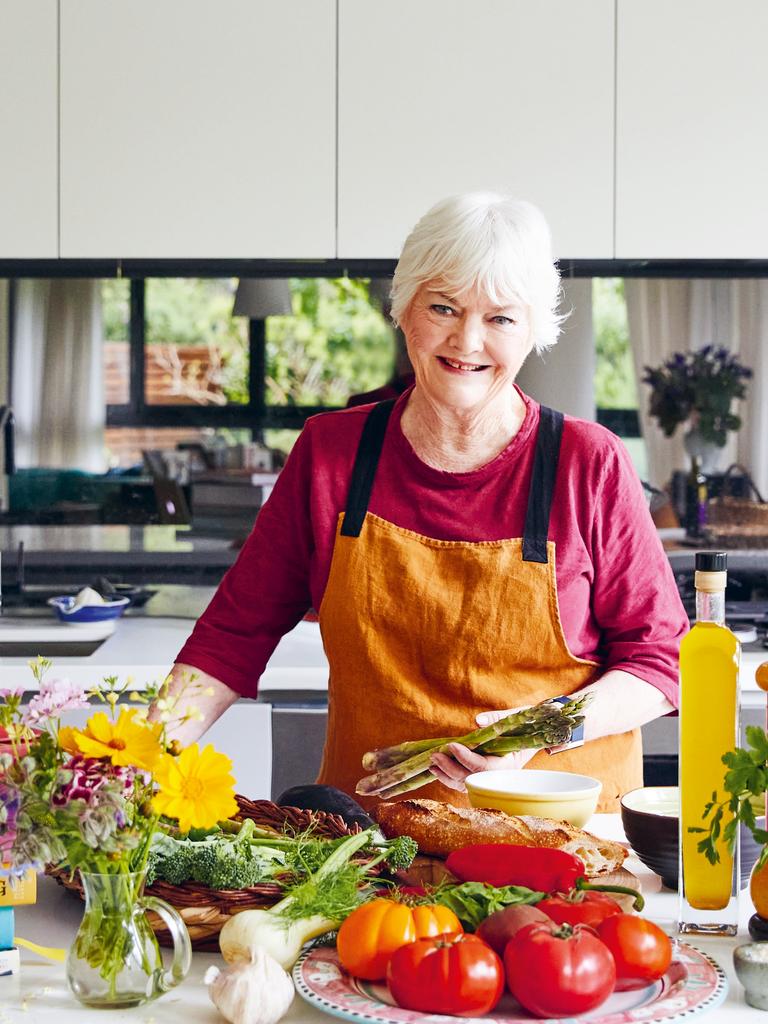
(693, 984)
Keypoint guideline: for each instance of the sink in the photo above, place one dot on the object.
(22, 637)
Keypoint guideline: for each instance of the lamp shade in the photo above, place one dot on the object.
(260, 297)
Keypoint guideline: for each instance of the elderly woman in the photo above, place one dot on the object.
(467, 549)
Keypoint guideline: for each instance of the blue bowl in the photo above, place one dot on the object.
(89, 612)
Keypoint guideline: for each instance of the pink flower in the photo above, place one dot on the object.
(54, 698)
(86, 776)
(11, 691)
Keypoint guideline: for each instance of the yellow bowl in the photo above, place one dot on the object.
(563, 796)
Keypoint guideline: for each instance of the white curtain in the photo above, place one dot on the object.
(667, 316)
(4, 360)
(4, 384)
(58, 383)
(749, 318)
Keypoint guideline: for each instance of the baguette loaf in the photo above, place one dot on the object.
(440, 828)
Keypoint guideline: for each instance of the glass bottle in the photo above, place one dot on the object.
(709, 727)
(695, 501)
(114, 961)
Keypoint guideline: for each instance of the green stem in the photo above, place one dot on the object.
(546, 717)
(582, 885)
(422, 779)
(386, 757)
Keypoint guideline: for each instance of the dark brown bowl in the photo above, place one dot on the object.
(650, 819)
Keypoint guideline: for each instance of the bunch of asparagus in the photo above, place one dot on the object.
(406, 766)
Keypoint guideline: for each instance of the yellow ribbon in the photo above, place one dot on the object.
(48, 952)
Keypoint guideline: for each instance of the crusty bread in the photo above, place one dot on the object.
(440, 828)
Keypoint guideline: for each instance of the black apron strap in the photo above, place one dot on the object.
(545, 460)
(364, 471)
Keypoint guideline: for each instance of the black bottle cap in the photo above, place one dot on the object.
(711, 561)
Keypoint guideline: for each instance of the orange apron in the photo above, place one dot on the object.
(423, 634)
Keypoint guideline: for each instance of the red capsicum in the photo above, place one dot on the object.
(551, 871)
(503, 864)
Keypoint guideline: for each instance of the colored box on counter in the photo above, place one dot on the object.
(9, 962)
(6, 928)
(18, 892)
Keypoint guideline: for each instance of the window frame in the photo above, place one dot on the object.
(254, 415)
(624, 422)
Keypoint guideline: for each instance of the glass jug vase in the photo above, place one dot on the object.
(115, 960)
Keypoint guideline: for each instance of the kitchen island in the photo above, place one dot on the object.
(40, 996)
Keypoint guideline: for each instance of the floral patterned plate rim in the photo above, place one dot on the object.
(693, 984)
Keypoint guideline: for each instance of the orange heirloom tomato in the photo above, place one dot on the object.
(372, 933)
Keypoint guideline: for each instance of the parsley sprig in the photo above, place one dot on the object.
(746, 778)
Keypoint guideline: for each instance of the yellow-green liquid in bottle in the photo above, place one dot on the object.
(709, 687)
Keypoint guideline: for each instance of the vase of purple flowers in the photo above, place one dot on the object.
(698, 388)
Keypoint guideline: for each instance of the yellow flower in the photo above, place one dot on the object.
(67, 739)
(127, 741)
(196, 788)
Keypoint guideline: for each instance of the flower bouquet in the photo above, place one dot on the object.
(92, 800)
(699, 387)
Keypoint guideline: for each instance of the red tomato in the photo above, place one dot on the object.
(579, 907)
(640, 948)
(558, 970)
(456, 974)
(371, 934)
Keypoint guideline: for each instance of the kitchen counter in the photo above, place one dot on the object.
(39, 995)
(146, 640)
(144, 645)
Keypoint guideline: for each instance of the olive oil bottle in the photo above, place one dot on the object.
(709, 727)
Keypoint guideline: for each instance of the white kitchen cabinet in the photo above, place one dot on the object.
(29, 130)
(692, 146)
(444, 96)
(192, 129)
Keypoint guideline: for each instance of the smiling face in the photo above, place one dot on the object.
(465, 349)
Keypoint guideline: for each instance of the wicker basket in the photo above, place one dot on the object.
(206, 911)
(737, 522)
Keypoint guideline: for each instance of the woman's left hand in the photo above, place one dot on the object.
(452, 768)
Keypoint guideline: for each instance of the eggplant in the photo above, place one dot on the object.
(329, 799)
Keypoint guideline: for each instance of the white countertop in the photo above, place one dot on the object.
(39, 995)
(144, 647)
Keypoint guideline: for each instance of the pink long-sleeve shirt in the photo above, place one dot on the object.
(617, 597)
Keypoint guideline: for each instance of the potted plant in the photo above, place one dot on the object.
(698, 388)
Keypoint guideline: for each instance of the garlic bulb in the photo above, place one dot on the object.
(251, 992)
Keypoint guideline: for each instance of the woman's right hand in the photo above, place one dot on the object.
(452, 767)
(194, 701)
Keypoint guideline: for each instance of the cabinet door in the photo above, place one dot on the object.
(692, 147)
(29, 226)
(445, 96)
(198, 129)
(244, 733)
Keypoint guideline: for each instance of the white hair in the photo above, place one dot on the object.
(487, 242)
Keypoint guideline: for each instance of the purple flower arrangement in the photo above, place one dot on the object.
(698, 386)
